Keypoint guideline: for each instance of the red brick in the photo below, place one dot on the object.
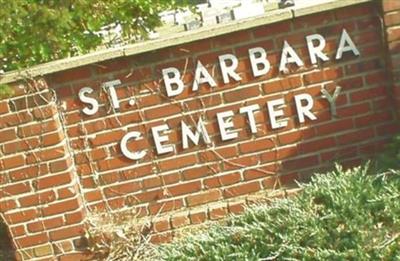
(13, 162)
(72, 75)
(199, 172)
(161, 238)
(4, 108)
(318, 145)
(223, 180)
(44, 113)
(260, 172)
(152, 182)
(282, 153)
(334, 126)
(190, 48)
(185, 188)
(161, 225)
(115, 163)
(45, 155)
(21, 216)
(368, 94)
(353, 110)
(203, 102)
(272, 29)
(296, 136)
(242, 94)
(106, 138)
(231, 38)
(180, 221)
(38, 129)
(47, 224)
(211, 114)
(60, 165)
(34, 240)
(392, 18)
(149, 196)
(353, 11)
(361, 67)
(376, 77)
(236, 208)
(390, 5)
(287, 83)
(67, 232)
(323, 75)
(393, 34)
(242, 189)
(74, 218)
(171, 178)
(204, 197)
(388, 129)
(373, 119)
(240, 162)
(21, 145)
(17, 231)
(198, 217)
(7, 135)
(6, 205)
(216, 154)
(53, 181)
(94, 195)
(257, 145)
(122, 189)
(61, 207)
(355, 136)
(15, 119)
(339, 154)
(163, 111)
(166, 206)
(37, 199)
(14, 189)
(301, 163)
(176, 163)
(218, 213)
(53, 138)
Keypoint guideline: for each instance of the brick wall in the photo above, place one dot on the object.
(391, 12)
(39, 188)
(58, 164)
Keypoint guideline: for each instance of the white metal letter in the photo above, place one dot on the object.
(289, 55)
(316, 51)
(229, 70)
(249, 110)
(202, 76)
(306, 109)
(225, 126)
(274, 114)
(85, 99)
(331, 99)
(346, 45)
(124, 146)
(175, 79)
(194, 137)
(258, 56)
(110, 88)
(158, 139)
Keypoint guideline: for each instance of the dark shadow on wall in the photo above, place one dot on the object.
(7, 252)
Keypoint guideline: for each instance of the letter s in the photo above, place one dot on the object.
(88, 100)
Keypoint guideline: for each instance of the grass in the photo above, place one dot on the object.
(341, 215)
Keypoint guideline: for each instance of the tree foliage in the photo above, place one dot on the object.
(38, 31)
